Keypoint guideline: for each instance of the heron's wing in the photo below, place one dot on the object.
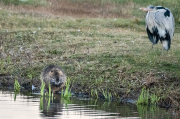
(165, 21)
(151, 28)
(153, 37)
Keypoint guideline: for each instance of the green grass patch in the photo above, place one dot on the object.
(67, 93)
(49, 90)
(107, 95)
(42, 88)
(16, 86)
(143, 98)
(154, 99)
(24, 2)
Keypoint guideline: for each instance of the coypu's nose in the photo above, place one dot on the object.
(57, 79)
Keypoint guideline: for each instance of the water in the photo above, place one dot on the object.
(27, 105)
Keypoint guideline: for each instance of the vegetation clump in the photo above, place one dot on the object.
(16, 86)
(145, 97)
(67, 93)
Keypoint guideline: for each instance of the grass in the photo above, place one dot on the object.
(143, 98)
(154, 99)
(42, 88)
(24, 2)
(41, 103)
(99, 52)
(48, 97)
(16, 86)
(67, 93)
(107, 95)
(16, 89)
(49, 90)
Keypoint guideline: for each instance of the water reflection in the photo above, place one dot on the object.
(152, 112)
(28, 105)
(49, 107)
(67, 108)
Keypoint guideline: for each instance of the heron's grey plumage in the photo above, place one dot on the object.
(160, 25)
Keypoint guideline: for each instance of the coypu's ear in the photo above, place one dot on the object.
(51, 72)
(60, 72)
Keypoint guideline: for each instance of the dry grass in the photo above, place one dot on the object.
(90, 9)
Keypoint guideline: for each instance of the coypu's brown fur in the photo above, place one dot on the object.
(54, 76)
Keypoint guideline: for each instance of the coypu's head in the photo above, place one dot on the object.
(56, 77)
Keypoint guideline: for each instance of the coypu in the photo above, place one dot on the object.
(54, 76)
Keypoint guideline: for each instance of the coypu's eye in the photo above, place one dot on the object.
(51, 71)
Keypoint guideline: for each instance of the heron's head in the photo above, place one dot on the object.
(151, 8)
(56, 76)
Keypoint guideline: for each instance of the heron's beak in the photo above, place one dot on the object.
(145, 9)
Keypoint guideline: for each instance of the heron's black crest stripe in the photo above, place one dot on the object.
(167, 13)
(160, 7)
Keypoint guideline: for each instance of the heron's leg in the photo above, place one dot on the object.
(162, 51)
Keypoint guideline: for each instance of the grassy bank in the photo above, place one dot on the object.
(104, 57)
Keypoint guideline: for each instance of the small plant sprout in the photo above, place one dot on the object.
(143, 98)
(96, 93)
(30, 76)
(9, 59)
(67, 92)
(41, 103)
(16, 85)
(49, 90)
(42, 88)
(107, 95)
(92, 92)
(154, 99)
(49, 101)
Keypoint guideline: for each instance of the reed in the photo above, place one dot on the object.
(16, 86)
(41, 103)
(107, 95)
(67, 92)
(154, 99)
(42, 88)
(49, 90)
(49, 102)
(143, 98)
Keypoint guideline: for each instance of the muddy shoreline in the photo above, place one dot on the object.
(7, 83)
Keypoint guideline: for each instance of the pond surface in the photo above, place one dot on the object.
(27, 105)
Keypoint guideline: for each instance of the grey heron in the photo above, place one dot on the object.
(159, 25)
